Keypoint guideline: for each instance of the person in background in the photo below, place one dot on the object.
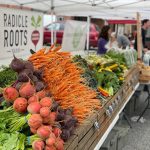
(123, 41)
(103, 39)
(112, 44)
(145, 26)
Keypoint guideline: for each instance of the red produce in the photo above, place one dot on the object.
(38, 145)
(44, 111)
(10, 94)
(34, 108)
(43, 132)
(57, 132)
(50, 141)
(59, 144)
(52, 135)
(52, 117)
(46, 102)
(41, 94)
(50, 148)
(32, 99)
(35, 121)
(20, 105)
(27, 90)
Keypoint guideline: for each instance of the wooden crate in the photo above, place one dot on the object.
(87, 136)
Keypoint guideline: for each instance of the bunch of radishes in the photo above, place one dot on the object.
(42, 121)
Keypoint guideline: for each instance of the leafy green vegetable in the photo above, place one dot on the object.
(88, 73)
(12, 141)
(7, 76)
(12, 121)
(116, 56)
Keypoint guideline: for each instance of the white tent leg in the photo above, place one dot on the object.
(52, 15)
(88, 33)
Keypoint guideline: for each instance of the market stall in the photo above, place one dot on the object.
(54, 100)
(75, 100)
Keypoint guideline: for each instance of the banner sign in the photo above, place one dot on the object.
(20, 31)
(74, 38)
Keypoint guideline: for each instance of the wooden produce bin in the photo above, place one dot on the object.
(88, 135)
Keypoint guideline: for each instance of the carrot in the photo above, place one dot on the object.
(64, 82)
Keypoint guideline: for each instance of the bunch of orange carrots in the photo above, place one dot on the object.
(64, 82)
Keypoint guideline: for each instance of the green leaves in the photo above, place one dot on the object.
(12, 141)
(36, 23)
(7, 76)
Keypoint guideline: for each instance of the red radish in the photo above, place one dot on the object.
(20, 105)
(50, 141)
(35, 121)
(33, 130)
(52, 117)
(50, 148)
(10, 94)
(59, 144)
(57, 132)
(35, 36)
(44, 111)
(41, 94)
(32, 99)
(52, 135)
(46, 102)
(38, 145)
(34, 108)
(27, 90)
(43, 132)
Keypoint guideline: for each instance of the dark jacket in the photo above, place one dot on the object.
(143, 34)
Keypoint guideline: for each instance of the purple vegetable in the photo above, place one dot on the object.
(34, 79)
(65, 134)
(17, 64)
(55, 106)
(38, 74)
(28, 65)
(18, 85)
(39, 86)
(60, 117)
(23, 77)
(69, 111)
(28, 72)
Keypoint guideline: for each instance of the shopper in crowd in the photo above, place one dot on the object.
(103, 39)
(123, 41)
(112, 44)
(145, 26)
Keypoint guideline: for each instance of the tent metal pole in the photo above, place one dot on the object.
(88, 33)
(52, 15)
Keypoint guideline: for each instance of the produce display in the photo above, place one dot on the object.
(64, 82)
(44, 98)
(30, 118)
(103, 74)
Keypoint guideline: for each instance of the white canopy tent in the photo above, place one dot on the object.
(116, 9)
(106, 9)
